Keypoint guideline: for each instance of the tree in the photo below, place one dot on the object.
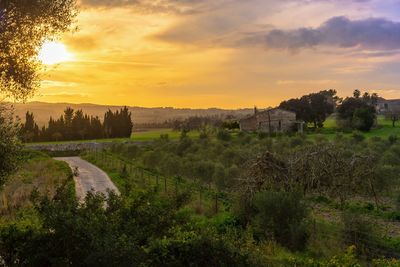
(118, 124)
(364, 118)
(30, 130)
(394, 115)
(282, 216)
(9, 144)
(144, 230)
(24, 27)
(313, 108)
(358, 112)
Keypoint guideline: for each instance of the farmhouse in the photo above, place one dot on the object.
(387, 105)
(271, 121)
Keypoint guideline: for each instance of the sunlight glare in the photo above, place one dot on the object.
(54, 53)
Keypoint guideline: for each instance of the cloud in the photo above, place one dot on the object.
(306, 82)
(82, 43)
(151, 6)
(367, 34)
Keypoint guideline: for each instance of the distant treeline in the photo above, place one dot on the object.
(75, 125)
(194, 123)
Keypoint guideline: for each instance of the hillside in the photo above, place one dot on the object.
(43, 111)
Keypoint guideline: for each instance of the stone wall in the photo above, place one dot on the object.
(274, 120)
(68, 146)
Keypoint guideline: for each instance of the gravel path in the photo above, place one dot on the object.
(89, 177)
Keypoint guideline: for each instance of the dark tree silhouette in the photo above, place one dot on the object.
(76, 125)
(358, 112)
(24, 27)
(313, 108)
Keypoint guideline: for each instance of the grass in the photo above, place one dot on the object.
(142, 136)
(154, 134)
(139, 178)
(38, 172)
(383, 130)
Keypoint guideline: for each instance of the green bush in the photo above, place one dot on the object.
(358, 231)
(282, 216)
(358, 136)
(392, 139)
(224, 135)
(364, 118)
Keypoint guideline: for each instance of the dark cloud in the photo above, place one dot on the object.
(369, 34)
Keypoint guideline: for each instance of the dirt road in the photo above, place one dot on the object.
(89, 177)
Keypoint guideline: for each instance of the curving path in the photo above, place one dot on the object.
(89, 177)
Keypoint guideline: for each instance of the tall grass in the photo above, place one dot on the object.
(38, 173)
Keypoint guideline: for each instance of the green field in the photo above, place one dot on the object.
(383, 130)
(141, 136)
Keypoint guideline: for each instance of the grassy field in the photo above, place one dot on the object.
(37, 172)
(141, 136)
(383, 130)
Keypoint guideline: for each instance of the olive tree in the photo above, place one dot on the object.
(9, 144)
(24, 26)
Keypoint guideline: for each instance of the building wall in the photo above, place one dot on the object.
(248, 124)
(275, 120)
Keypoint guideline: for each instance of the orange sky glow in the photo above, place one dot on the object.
(222, 53)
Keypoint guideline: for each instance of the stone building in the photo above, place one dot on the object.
(271, 121)
(387, 105)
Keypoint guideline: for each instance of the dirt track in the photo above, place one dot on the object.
(89, 177)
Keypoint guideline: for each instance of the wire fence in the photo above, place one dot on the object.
(204, 197)
(210, 200)
(368, 245)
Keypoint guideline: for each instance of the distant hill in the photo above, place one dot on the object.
(42, 112)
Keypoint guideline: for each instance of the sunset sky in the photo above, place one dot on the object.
(225, 53)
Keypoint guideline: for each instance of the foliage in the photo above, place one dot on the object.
(140, 230)
(334, 170)
(357, 229)
(37, 173)
(223, 135)
(393, 114)
(313, 108)
(386, 263)
(75, 125)
(364, 118)
(24, 27)
(282, 216)
(9, 144)
(346, 260)
(358, 112)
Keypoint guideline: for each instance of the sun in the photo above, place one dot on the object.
(53, 53)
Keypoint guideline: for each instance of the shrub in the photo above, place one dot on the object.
(386, 263)
(282, 216)
(262, 135)
(223, 135)
(364, 118)
(358, 136)
(392, 139)
(358, 231)
(296, 141)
